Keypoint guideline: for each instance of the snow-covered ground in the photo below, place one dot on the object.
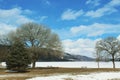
(75, 64)
(92, 76)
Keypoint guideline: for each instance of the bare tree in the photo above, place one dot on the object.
(110, 47)
(37, 36)
(4, 40)
(97, 58)
(98, 55)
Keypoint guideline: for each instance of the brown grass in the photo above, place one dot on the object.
(49, 71)
(14, 78)
(114, 79)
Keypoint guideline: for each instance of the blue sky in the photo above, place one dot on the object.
(79, 23)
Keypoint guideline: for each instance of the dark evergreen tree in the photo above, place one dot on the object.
(18, 58)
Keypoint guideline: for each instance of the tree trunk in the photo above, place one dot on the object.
(33, 64)
(98, 64)
(113, 61)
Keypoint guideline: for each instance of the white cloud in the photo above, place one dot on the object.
(14, 16)
(4, 28)
(93, 2)
(71, 14)
(80, 46)
(64, 33)
(101, 12)
(42, 18)
(118, 37)
(105, 10)
(114, 3)
(46, 2)
(95, 29)
(27, 11)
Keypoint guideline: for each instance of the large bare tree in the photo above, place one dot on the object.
(110, 47)
(37, 37)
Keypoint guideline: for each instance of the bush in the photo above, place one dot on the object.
(18, 58)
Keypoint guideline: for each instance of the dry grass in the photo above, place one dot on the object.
(114, 79)
(68, 79)
(69, 70)
(14, 78)
(50, 71)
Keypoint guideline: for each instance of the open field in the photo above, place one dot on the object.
(66, 71)
(42, 72)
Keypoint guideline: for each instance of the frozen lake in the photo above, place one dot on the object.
(75, 64)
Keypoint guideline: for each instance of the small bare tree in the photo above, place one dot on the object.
(98, 58)
(110, 47)
(98, 55)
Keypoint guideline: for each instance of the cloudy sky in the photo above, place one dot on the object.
(79, 23)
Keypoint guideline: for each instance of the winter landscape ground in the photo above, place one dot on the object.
(66, 71)
(91, 76)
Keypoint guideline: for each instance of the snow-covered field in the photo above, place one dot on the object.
(92, 76)
(74, 64)
(77, 64)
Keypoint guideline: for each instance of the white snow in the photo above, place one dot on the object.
(74, 64)
(92, 76)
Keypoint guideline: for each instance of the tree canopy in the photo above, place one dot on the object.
(36, 37)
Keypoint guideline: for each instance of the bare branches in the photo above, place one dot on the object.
(109, 46)
(38, 36)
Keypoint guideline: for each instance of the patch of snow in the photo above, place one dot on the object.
(3, 64)
(92, 76)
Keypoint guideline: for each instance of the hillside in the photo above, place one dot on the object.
(71, 57)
